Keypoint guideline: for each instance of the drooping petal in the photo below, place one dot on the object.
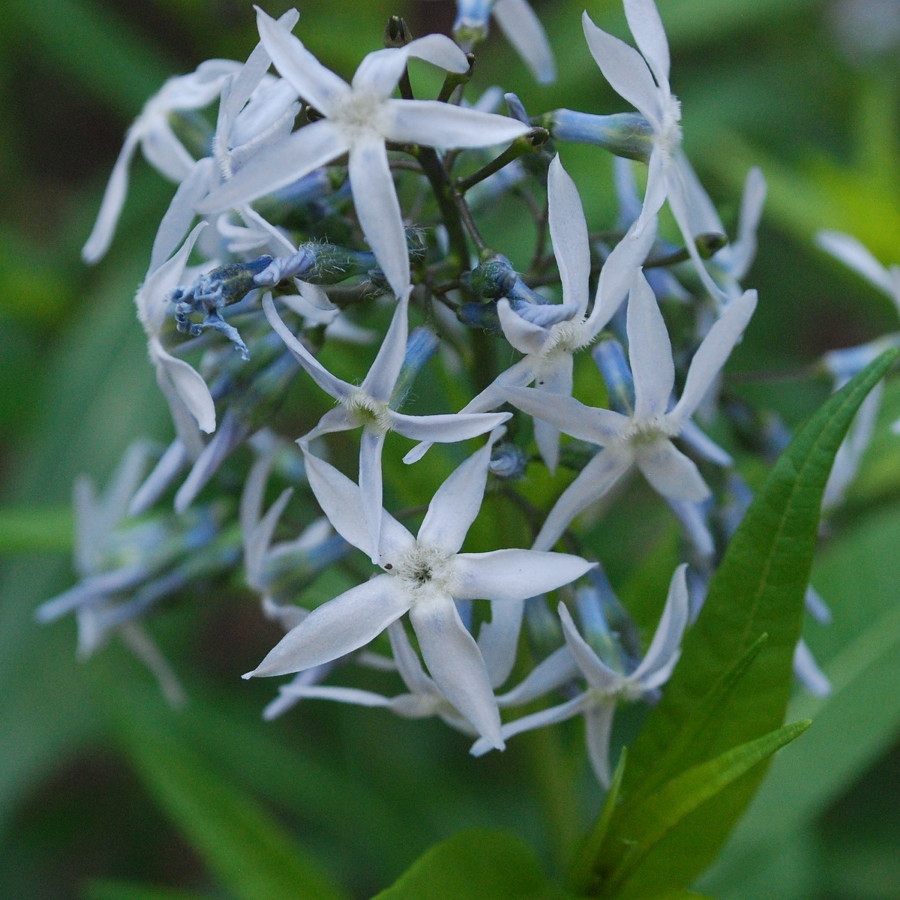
(553, 672)
(670, 471)
(854, 254)
(322, 377)
(598, 674)
(165, 152)
(649, 351)
(568, 231)
(595, 479)
(436, 124)
(650, 36)
(407, 661)
(338, 694)
(380, 71)
(525, 336)
(598, 724)
(456, 502)
(743, 250)
(378, 209)
(454, 662)
(704, 445)
(523, 29)
(188, 384)
(337, 419)
(278, 165)
(319, 86)
(337, 627)
(587, 423)
(662, 654)
(113, 200)
(625, 69)
(382, 376)
(713, 352)
(498, 639)
(514, 574)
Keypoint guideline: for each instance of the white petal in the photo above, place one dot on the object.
(568, 231)
(597, 477)
(322, 377)
(335, 420)
(258, 537)
(166, 153)
(337, 627)
(704, 445)
(514, 574)
(380, 71)
(455, 664)
(370, 485)
(523, 29)
(378, 209)
(618, 273)
(713, 352)
(854, 254)
(189, 385)
(671, 472)
(456, 502)
(338, 694)
(553, 672)
(625, 69)
(498, 639)
(743, 250)
(181, 212)
(650, 36)
(587, 423)
(340, 500)
(382, 376)
(598, 725)
(113, 200)
(435, 124)
(649, 352)
(554, 377)
(407, 661)
(598, 673)
(319, 86)
(278, 165)
(447, 428)
(663, 652)
(525, 336)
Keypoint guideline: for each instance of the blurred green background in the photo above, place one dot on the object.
(101, 784)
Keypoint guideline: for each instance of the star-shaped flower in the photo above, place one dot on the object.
(367, 406)
(358, 119)
(549, 348)
(423, 576)
(643, 439)
(606, 686)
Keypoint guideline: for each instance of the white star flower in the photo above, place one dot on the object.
(642, 78)
(358, 119)
(423, 576)
(549, 348)
(367, 406)
(606, 686)
(643, 439)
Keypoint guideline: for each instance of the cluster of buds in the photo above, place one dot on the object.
(318, 203)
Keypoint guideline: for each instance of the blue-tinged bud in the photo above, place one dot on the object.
(609, 355)
(605, 623)
(471, 25)
(493, 279)
(516, 108)
(482, 316)
(542, 626)
(624, 134)
(421, 345)
(508, 461)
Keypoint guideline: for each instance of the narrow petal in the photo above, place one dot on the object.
(181, 212)
(671, 472)
(712, 354)
(514, 574)
(371, 488)
(853, 253)
(165, 152)
(597, 477)
(568, 231)
(407, 661)
(278, 165)
(663, 651)
(380, 71)
(553, 672)
(523, 29)
(382, 376)
(454, 662)
(554, 377)
(525, 336)
(378, 209)
(649, 351)
(335, 420)
(322, 377)
(456, 502)
(743, 250)
(598, 726)
(340, 500)
(446, 428)
(587, 423)
(319, 86)
(498, 639)
(703, 445)
(435, 124)
(650, 36)
(188, 384)
(337, 627)
(598, 674)
(339, 694)
(113, 201)
(625, 69)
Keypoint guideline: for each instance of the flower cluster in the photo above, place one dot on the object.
(326, 216)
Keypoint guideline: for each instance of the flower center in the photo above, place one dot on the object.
(669, 137)
(567, 337)
(647, 431)
(425, 570)
(365, 410)
(358, 111)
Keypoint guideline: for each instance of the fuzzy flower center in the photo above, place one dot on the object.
(649, 430)
(668, 139)
(368, 412)
(358, 111)
(424, 570)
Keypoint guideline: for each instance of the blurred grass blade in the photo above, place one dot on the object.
(250, 854)
(640, 826)
(35, 530)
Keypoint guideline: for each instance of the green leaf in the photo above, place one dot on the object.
(127, 890)
(641, 825)
(242, 845)
(499, 863)
(758, 589)
(35, 530)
